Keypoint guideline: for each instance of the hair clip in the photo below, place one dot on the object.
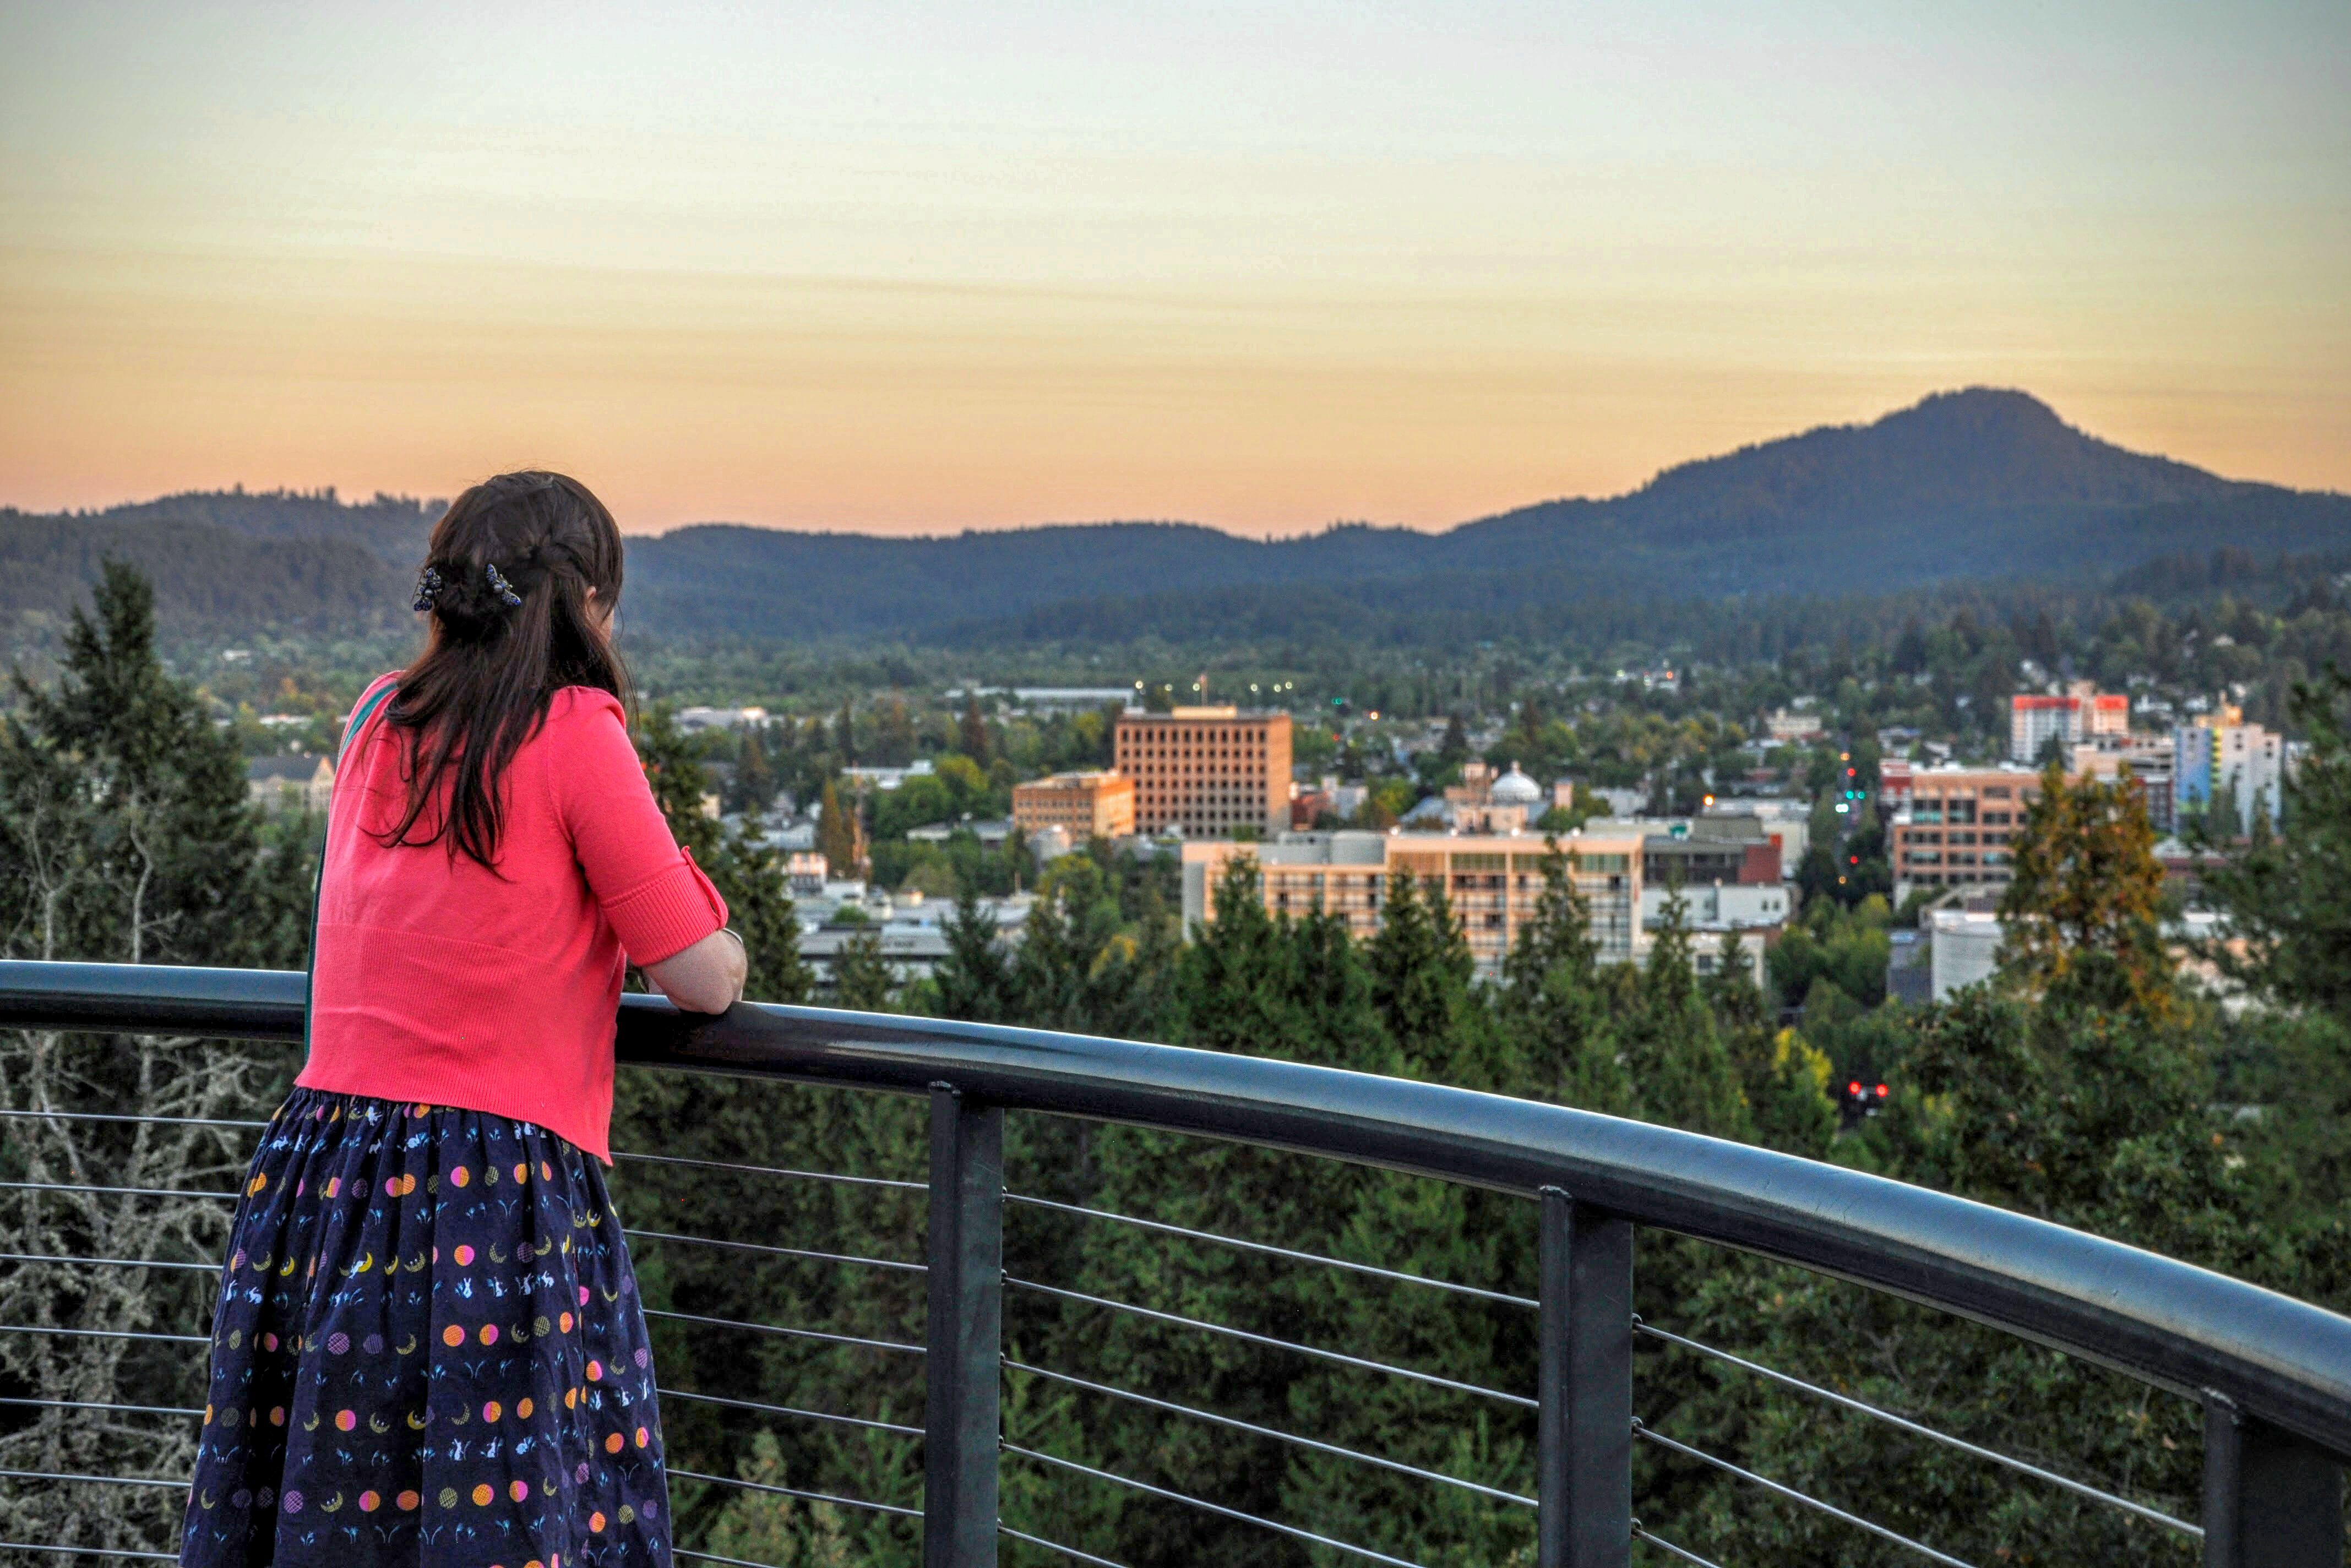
(502, 588)
(427, 585)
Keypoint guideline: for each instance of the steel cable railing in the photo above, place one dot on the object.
(2274, 1377)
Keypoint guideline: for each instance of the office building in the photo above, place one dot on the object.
(1082, 805)
(2081, 715)
(1492, 881)
(1956, 826)
(1204, 771)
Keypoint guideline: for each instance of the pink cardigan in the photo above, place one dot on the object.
(439, 982)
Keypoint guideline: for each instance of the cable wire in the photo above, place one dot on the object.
(1345, 1360)
(93, 1404)
(118, 1191)
(1241, 1425)
(106, 1262)
(773, 1170)
(131, 1552)
(789, 1410)
(1069, 1551)
(104, 1333)
(782, 1251)
(795, 1491)
(795, 1334)
(1271, 1250)
(1793, 1495)
(1290, 1530)
(1905, 1423)
(1662, 1544)
(181, 1484)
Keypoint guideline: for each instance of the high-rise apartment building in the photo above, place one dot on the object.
(1491, 880)
(2082, 714)
(1084, 805)
(2219, 760)
(1206, 771)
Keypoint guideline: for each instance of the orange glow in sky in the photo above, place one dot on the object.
(920, 269)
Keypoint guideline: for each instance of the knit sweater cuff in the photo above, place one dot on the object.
(662, 918)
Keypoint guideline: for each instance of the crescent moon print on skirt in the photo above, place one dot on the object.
(501, 1304)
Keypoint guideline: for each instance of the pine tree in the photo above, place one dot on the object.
(747, 870)
(1554, 1002)
(862, 979)
(974, 981)
(125, 837)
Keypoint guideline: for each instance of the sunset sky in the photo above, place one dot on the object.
(1263, 266)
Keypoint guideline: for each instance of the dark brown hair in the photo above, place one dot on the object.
(507, 576)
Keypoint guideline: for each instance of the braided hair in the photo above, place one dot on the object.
(519, 580)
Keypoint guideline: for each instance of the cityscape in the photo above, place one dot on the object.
(911, 787)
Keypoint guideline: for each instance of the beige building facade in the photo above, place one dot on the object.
(1082, 805)
(1492, 880)
(1956, 826)
(1206, 771)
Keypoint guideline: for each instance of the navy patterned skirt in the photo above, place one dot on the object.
(429, 1350)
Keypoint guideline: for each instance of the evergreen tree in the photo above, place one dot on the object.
(754, 785)
(862, 979)
(2081, 909)
(973, 730)
(125, 837)
(748, 871)
(1554, 1002)
(836, 830)
(974, 981)
(2288, 895)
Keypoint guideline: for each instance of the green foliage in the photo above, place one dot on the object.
(124, 838)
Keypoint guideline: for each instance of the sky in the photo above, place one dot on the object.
(919, 268)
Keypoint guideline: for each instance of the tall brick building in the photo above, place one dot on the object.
(1206, 771)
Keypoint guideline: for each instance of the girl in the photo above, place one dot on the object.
(429, 1347)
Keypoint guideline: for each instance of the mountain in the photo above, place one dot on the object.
(1972, 485)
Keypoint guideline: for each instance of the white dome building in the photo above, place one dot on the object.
(1515, 788)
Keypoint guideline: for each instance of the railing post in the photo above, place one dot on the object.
(1585, 1464)
(2270, 1499)
(963, 1367)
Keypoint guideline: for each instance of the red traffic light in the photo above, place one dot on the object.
(1882, 1092)
(1853, 1089)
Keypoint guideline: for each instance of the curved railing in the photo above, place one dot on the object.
(2273, 1374)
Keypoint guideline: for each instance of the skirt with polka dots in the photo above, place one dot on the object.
(429, 1350)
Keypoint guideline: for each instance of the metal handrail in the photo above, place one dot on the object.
(2280, 1361)
(2271, 1373)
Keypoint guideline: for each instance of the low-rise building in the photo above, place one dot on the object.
(1790, 726)
(1485, 801)
(1082, 805)
(1491, 880)
(300, 783)
(1695, 850)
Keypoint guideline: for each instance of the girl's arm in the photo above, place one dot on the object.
(706, 977)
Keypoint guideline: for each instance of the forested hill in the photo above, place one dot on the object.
(1973, 485)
